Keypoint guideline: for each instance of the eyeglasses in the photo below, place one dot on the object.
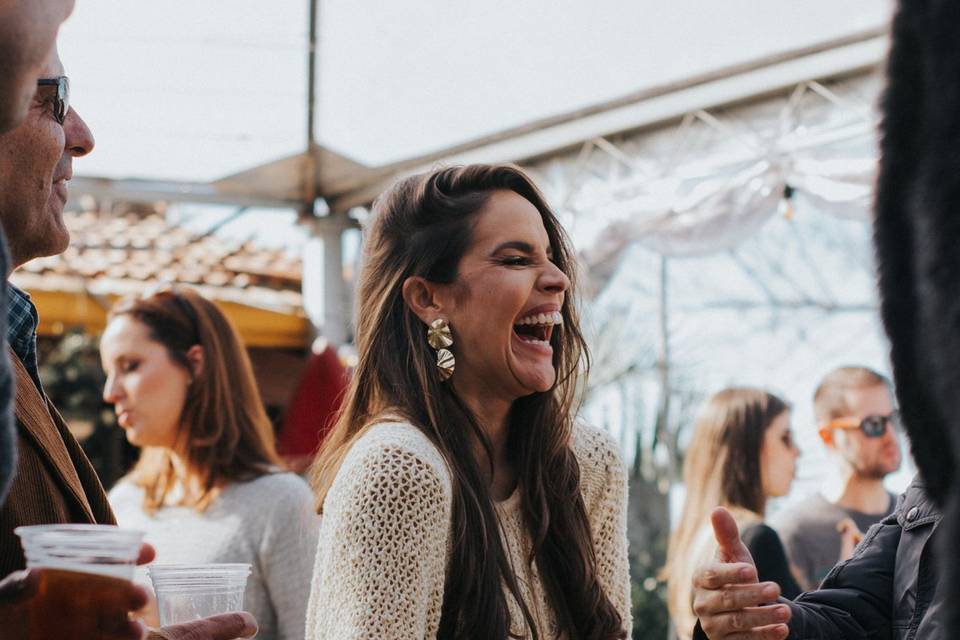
(61, 99)
(871, 426)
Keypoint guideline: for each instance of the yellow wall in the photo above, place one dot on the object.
(61, 311)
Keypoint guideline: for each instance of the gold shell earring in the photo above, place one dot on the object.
(440, 338)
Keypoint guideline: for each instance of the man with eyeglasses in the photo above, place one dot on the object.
(858, 426)
(54, 481)
(28, 29)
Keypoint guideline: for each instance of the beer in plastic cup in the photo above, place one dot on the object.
(86, 570)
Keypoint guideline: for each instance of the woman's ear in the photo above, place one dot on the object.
(420, 295)
(195, 358)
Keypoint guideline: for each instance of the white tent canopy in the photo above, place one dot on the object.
(194, 92)
(666, 134)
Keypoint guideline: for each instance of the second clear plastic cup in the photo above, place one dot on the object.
(188, 592)
(87, 548)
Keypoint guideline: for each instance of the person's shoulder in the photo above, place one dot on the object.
(388, 440)
(761, 539)
(278, 505)
(598, 456)
(275, 486)
(277, 479)
(126, 502)
(393, 454)
(594, 447)
(758, 531)
(125, 492)
(805, 514)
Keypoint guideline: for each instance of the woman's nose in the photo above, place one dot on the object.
(110, 391)
(555, 280)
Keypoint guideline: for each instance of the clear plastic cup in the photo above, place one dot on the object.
(188, 592)
(87, 548)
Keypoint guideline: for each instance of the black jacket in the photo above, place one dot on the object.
(888, 589)
(917, 237)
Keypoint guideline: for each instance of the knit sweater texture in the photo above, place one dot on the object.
(385, 540)
(269, 523)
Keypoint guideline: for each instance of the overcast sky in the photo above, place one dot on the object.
(197, 89)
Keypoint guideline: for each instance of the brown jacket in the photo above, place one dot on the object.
(55, 482)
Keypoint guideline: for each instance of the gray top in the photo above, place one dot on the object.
(269, 522)
(809, 533)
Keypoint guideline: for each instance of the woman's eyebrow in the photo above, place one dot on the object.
(520, 245)
(517, 245)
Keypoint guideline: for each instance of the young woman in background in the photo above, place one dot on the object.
(742, 454)
(208, 486)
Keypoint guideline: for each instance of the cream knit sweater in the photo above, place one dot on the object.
(385, 538)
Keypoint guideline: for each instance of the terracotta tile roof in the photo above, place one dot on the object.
(112, 254)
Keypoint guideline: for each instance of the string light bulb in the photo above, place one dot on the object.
(786, 203)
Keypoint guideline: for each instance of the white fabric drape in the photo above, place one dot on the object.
(680, 198)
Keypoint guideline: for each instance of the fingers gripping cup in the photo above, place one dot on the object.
(86, 548)
(85, 579)
(190, 592)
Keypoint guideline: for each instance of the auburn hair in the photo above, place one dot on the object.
(224, 428)
(422, 226)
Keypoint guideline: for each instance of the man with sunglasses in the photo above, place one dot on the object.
(54, 481)
(890, 587)
(859, 428)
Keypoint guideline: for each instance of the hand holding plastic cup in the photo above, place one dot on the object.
(187, 592)
(86, 548)
(85, 574)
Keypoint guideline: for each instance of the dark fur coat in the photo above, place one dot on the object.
(917, 234)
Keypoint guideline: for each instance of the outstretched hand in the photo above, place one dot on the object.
(727, 597)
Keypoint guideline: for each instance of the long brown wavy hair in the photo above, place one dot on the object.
(422, 226)
(223, 427)
(722, 468)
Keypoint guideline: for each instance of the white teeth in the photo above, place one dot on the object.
(552, 318)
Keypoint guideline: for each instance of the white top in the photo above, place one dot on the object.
(385, 540)
(269, 523)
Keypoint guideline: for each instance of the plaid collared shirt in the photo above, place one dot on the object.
(22, 322)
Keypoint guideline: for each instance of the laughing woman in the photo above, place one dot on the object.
(459, 498)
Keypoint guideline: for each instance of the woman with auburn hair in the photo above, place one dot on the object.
(742, 453)
(459, 498)
(209, 485)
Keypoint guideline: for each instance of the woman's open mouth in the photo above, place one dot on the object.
(537, 329)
